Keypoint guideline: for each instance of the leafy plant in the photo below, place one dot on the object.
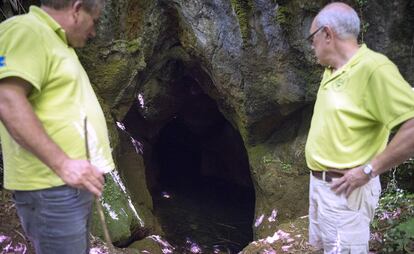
(286, 166)
(268, 160)
(400, 239)
(393, 225)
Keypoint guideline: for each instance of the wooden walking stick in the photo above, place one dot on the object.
(97, 203)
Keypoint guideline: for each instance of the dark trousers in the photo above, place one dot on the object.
(56, 219)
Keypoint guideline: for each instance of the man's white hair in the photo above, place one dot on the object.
(341, 18)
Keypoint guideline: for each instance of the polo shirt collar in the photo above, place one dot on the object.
(49, 21)
(328, 76)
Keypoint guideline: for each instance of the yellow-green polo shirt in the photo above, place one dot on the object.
(355, 110)
(34, 47)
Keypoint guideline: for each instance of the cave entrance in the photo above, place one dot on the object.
(196, 165)
(204, 198)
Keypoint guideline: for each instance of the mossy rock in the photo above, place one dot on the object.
(111, 67)
(148, 244)
(243, 9)
(121, 217)
(283, 16)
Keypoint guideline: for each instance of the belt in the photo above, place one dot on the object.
(326, 176)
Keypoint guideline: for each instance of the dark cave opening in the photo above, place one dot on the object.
(178, 153)
(196, 164)
(204, 195)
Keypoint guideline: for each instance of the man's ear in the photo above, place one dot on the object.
(76, 7)
(329, 33)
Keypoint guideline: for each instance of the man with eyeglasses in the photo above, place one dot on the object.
(361, 98)
(45, 97)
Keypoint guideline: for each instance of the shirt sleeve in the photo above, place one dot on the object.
(23, 54)
(389, 98)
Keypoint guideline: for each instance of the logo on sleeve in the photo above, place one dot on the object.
(2, 61)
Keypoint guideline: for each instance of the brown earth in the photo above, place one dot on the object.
(12, 238)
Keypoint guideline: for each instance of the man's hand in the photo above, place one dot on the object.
(398, 150)
(351, 180)
(81, 174)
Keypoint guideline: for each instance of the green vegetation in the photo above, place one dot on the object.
(268, 160)
(109, 73)
(243, 9)
(126, 46)
(362, 5)
(110, 67)
(393, 225)
(118, 215)
(403, 175)
(311, 77)
(286, 166)
(283, 16)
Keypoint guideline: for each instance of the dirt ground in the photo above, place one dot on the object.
(12, 238)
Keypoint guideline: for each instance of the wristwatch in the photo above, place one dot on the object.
(368, 170)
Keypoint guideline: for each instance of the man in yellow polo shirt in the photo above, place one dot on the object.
(45, 95)
(361, 98)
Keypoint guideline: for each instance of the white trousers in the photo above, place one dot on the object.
(340, 225)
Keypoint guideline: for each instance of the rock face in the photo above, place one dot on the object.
(158, 57)
(249, 57)
(155, 59)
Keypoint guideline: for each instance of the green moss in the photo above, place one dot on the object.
(243, 9)
(112, 67)
(285, 166)
(134, 46)
(118, 215)
(102, 72)
(288, 13)
(268, 160)
(283, 16)
(260, 154)
(148, 244)
(126, 46)
(187, 38)
(311, 76)
(111, 191)
(109, 73)
(263, 156)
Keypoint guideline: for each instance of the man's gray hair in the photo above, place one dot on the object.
(342, 19)
(89, 5)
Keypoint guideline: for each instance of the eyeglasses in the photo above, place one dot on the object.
(310, 37)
